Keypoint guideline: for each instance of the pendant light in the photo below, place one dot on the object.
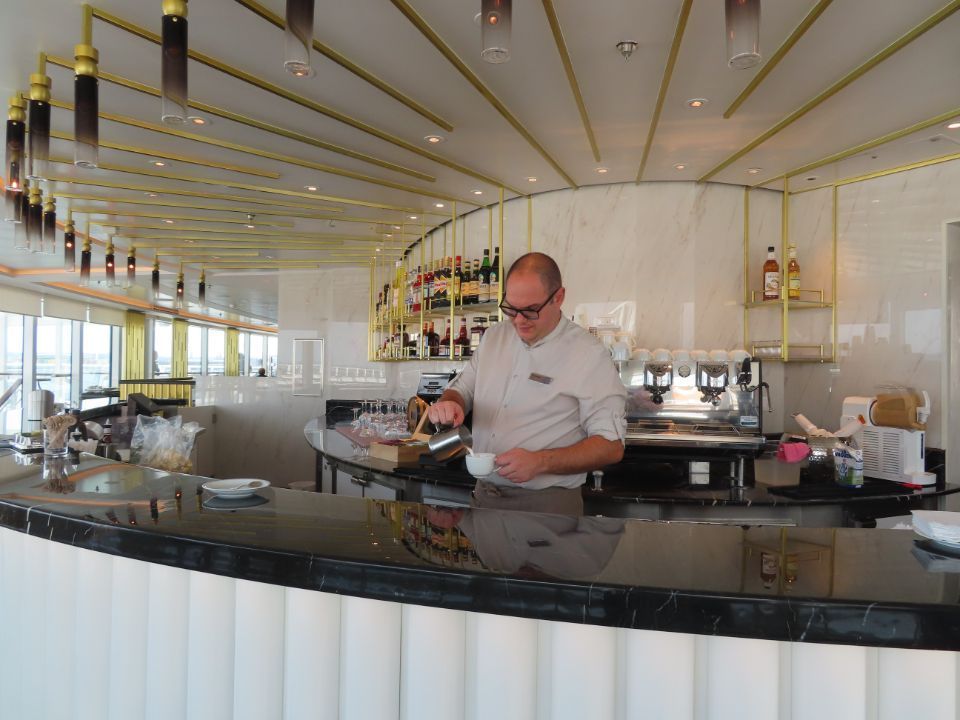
(86, 97)
(299, 38)
(20, 229)
(49, 225)
(39, 120)
(131, 266)
(743, 33)
(495, 20)
(35, 220)
(178, 301)
(69, 244)
(85, 256)
(16, 130)
(173, 71)
(109, 262)
(155, 279)
(202, 289)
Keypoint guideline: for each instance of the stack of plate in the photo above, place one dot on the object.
(235, 488)
(942, 528)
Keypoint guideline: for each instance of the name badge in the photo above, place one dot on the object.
(541, 378)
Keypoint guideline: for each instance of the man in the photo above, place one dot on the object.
(545, 397)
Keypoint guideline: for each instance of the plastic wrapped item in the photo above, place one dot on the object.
(848, 465)
(163, 444)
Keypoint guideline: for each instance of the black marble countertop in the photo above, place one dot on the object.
(845, 586)
(770, 475)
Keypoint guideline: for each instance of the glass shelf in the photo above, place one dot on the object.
(809, 300)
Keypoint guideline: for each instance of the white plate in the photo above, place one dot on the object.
(235, 487)
(947, 543)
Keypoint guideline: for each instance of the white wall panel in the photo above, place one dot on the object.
(311, 656)
(13, 627)
(166, 695)
(432, 638)
(61, 631)
(657, 677)
(582, 665)
(501, 668)
(91, 617)
(210, 643)
(916, 684)
(258, 653)
(828, 682)
(369, 659)
(130, 613)
(742, 679)
(33, 670)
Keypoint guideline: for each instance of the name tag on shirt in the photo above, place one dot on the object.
(543, 379)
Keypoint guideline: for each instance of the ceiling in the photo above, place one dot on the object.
(362, 145)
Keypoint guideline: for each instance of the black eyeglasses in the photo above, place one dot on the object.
(528, 313)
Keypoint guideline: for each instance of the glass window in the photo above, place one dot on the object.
(54, 341)
(243, 366)
(194, 350)
(162, 348)
(271, 355)
(257, 354)
(11, 371)
(97, 356)
(216, 344)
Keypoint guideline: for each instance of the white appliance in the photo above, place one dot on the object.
(891, 453)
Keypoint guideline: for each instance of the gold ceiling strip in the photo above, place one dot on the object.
(236, 185)
(351, 66)
(230, 231)
(189, 252)
(471, 77)
(843, 82)
(270, 155)
(775, 59)
(665, 84)
(305, 102)
(170, 216)
(882, 173)
(869, 145)
(254, 237)
(166, 155)
(251, 122)
(561, 44)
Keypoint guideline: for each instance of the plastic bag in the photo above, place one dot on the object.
(163, 444)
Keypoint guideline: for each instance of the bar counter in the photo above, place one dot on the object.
(372, 608)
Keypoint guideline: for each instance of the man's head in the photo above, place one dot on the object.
(533, 284)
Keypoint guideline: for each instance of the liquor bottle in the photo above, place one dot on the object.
(495, 276)
(428, 287)
(457, 297)
(378, 314)
(771, 276)
(445, 343)
(418, 291)
(398, 287)
(466, 284)
(475, 282)
(476, 332)
(440, 288)
(433, 342)
(483, 293)
(793, 275)
(463, 342)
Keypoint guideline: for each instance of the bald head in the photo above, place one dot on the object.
(541, 265)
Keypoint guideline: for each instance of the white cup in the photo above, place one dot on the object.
(480, 464)
(681, 355)
(662, 355)
(642, 355)
(718, 355)
(699, 355)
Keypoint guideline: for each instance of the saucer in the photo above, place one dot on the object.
(235, 487)
(234, 503)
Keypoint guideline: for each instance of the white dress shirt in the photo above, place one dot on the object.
(552, 394)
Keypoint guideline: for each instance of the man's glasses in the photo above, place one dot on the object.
(528, 313)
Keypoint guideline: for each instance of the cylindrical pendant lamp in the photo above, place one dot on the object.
(496, 17)
(39, 121)
(173, 70)
(155, 279)
(20, 241)
(85, 257)
(131, 266)
(299, 38)
(86, 100)
(202, 289)
(178, 301)
(49, 226)
(69, 244)
(109, 262)
(16, 132)
(743, 33)
(35, 220)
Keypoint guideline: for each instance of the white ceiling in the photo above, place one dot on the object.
(912, 85)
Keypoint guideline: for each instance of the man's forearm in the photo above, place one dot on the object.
(592, 453)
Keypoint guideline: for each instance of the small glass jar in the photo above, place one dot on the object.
(55, 443)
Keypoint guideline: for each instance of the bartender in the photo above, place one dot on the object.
(545, 396)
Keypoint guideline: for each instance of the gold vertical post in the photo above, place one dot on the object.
(784, 239)
(746, 267)
(529, 223)
(423, 305)
(452, 287)
(86, 28)
(833, 303)
(503, 259)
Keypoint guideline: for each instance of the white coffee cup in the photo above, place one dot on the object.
(480, 464)
(662, 355)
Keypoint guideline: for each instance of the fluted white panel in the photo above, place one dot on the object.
(92, 620)
(210, 647)
(34, 682)
(167, 643)
(369, 659)
(311, 656)
(582, 666)
(61, 615)
(656, 677)
(916, 684)
(501, 668)
(13, 628)
(432, 638)
(828, 681)
(128, 639)
(258, 654)
(743, 679)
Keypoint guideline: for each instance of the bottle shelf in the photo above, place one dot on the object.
(809, 300)
(799, 352)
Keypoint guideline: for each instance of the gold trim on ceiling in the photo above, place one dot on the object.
(347, 64)
(798, 32)
(882, 173)
(665, 84)
(301, 100)
(164, 154)
(840, 84)
(258, 124)
(268, 154)
(471, 77)
(289, 236)
(561, 44)
(173, 216)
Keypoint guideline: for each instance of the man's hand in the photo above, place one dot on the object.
(446, 412)
(519, 465)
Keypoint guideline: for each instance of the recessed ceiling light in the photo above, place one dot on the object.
(478, 192)
(378, 249)
(158, 163)
(197, 120)
(311, 188)
(413, 217)
(439, 205)
(601, 170)
(953, 126)
(754, 171)
(531, 179)
(396, 227)
(697, 102)
(150, 194)
(169, 222)
(434, 139)
(680, 166)
(388, 235)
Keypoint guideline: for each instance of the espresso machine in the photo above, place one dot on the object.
(695, 416)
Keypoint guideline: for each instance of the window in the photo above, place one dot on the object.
(243, 366)
(271, 355)
(257, 353)
(216, 351)
(162, 348)
(194, 350)
(97, 356)
(11, 371)
(54, 341)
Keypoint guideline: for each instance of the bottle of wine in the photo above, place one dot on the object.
(495, 276)
(771, 276)
(793, 275)
(483, 293)
(457, 297)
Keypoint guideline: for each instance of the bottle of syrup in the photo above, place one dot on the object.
(793, 275)
(771, 276)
